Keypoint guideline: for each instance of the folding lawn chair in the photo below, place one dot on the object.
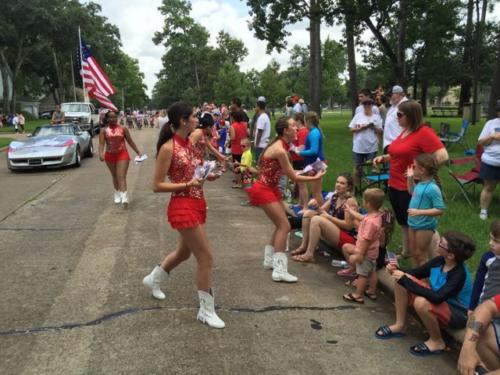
(373, 177)
(469, 178)
(450, 138)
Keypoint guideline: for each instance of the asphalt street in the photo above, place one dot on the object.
(72, 301)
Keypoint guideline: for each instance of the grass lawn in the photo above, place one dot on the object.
(28, 127)
(5, 142)
(458, 216)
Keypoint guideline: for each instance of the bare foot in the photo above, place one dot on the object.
(298, 251)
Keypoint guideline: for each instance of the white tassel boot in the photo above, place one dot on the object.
(117, 197)
(206, 313)
(124, 199)
(268, 257)
(280, 269)
(153, 281)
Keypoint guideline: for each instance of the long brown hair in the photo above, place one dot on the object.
(176, 112)
(429, 163)
(413, 112)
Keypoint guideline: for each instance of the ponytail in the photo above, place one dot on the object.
(280, 127)
(176, 112)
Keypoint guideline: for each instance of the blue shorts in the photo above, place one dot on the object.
(489, 172)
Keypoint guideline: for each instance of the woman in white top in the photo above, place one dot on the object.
(490, 162)
(366, 128)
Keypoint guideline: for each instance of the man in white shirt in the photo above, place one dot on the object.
(297, 108)
(391, 126)
(364, 95)
(262, 127)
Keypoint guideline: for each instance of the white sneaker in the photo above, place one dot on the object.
(483, 215)
(117, 197)
(206, 313)
(268, 257)
(280, 269)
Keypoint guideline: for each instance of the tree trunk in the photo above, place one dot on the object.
(423, 97)
(315, 57)
(495, 86)
(466, 81)
(401, 48)
(478, 51)
(6, 88)
(351, 59)
(415, 78)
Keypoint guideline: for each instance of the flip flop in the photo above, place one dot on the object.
(371, 296)
(350, 298)
(422, 350)
(301, 259)
(348, 272)
(387, 333)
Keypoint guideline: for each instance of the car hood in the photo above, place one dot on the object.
(42, 143)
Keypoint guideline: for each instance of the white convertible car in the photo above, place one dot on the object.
(50, 146)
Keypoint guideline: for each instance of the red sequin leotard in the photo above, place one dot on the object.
(187, 208)
(114, 136)
(266, 189)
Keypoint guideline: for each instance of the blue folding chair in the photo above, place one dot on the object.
(451, 138)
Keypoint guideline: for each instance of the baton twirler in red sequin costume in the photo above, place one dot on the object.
(186, 212)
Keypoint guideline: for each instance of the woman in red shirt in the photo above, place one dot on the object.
(113, 136)
(237, 133)
(414, 139)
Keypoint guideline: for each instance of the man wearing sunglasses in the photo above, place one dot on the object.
(391, 126)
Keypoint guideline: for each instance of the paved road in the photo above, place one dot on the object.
(72, 301)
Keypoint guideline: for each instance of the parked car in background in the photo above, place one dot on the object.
(51, 146)
(47, 115)
(83, 114)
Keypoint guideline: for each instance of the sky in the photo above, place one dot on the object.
(139, 19)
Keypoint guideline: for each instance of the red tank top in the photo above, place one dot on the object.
(270, 169)
(114, 135)
(182, 168)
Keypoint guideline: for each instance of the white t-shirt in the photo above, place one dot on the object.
(297, 108)
(366, 141)
(359, 109)
(491, 154)
(264, 124)
(391, 127)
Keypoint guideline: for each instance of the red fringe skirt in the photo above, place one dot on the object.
(184, 212)
(260, 194)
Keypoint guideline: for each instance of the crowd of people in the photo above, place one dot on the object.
(438, 287)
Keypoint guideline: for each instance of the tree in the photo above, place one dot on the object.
(269, 21)
(272, 85)
(230, 48)
(229, 83)
(495, 84)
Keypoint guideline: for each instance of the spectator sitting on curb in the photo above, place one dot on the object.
(443, 302)
(482, 341)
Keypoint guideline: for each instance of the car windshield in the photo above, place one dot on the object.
(53, 130)
(74, 107)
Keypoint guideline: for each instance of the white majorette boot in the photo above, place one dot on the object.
(206, 313)
(153, 281)
(118, 197)
(280, 269)
(124, 199)
(268, 257)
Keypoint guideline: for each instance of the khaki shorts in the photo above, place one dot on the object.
(366, 267)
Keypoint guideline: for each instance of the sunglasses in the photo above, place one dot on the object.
(400, 114)
(443, 247)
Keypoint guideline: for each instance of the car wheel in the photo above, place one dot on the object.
(90, 150)
(78, 157)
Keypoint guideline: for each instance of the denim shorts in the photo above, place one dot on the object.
(362, 158)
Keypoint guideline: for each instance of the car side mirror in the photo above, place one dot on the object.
(29, 135)
(78, 132)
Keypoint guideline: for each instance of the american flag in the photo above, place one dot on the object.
(95, 81)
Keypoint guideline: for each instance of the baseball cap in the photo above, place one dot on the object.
(261, 99)
(301, 101)
(397, 89)
(216, 112)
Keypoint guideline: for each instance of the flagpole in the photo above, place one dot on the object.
(85, 95)
(73, 76)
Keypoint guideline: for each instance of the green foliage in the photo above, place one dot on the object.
(273, 85)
